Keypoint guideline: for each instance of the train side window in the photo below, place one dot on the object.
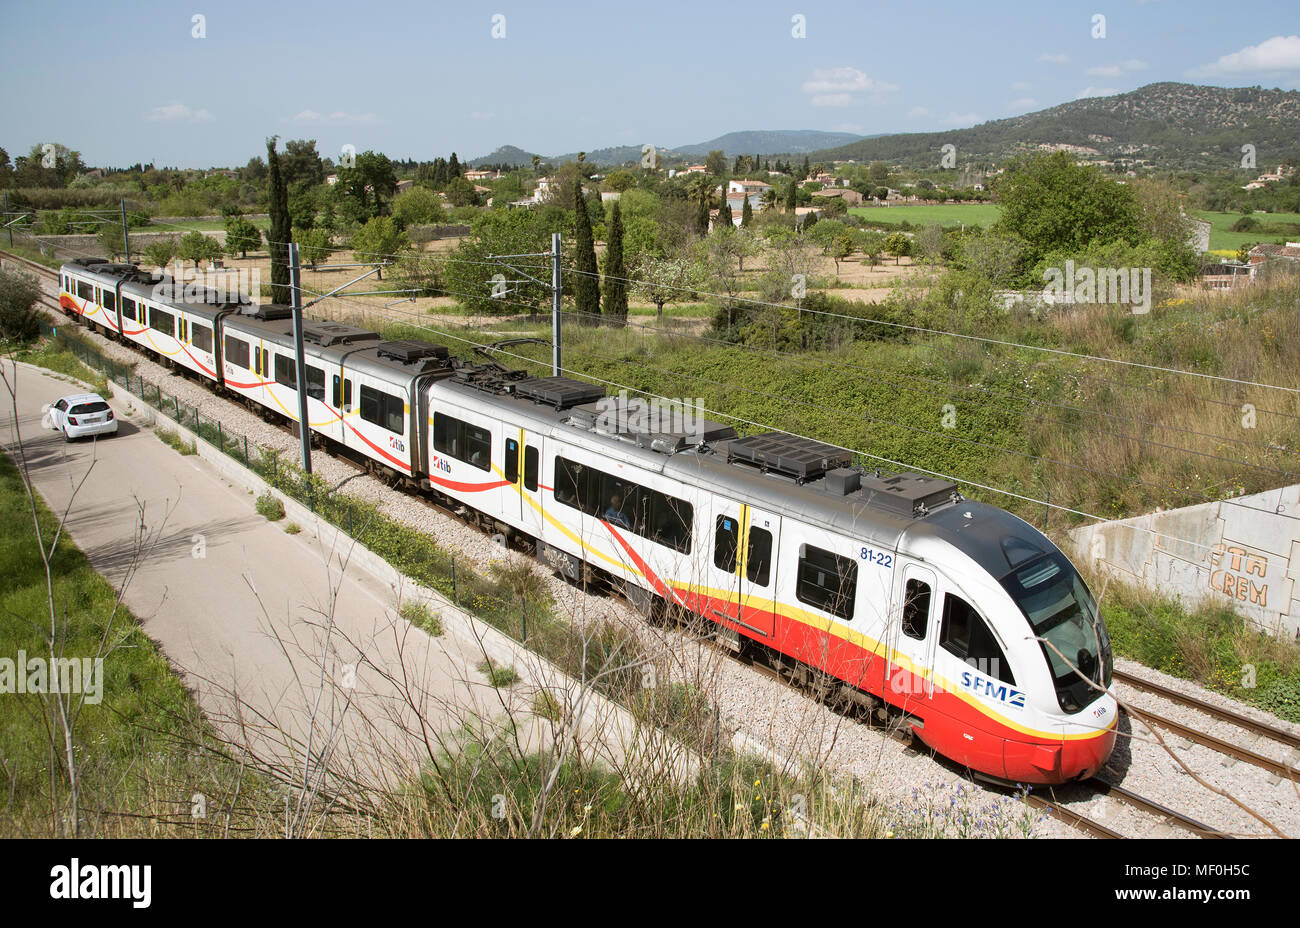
(86, 291)
(128, 308)
(383, 409)
(965, 635)
(758, 556)
(916, 609)
(110, 301)
(726, 542)
(237, 351)
(162, 321)
(337, 393)
(316, 383)
(569, 481)
(827, 581)
(668, 521)
(619, 503)
(512, 460)
(286, 375)
(347, 393)
(531, 461)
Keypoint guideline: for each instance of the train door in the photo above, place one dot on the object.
(530, 483)
(913, 630)
(742, 566)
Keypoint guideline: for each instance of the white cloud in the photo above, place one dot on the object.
(1110, 70)
(1095, 92)
(337, 118)
(837, 86)
(1280, 53)
(178, 112)
(1022, 103)
(1021, 85)
(1054, 59)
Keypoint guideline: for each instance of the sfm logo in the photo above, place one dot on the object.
(993, 690)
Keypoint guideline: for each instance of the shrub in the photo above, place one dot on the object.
(498, 676)
(269, 505)
(19, 318)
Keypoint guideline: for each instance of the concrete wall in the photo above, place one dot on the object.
(1243, 552)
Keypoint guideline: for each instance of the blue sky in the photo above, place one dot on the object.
(129, 82)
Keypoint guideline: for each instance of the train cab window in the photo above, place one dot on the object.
(385, 410)
(286, 374)
(316, 383)
(512, 460)
(916, 609)
(86, 291)
(531, 462)
(237, 351)
(128, 308)
(827, 581)
(965, 635)
(758, 556)
(726, 541)
(162, 321)
(201, 336)
(110, 301)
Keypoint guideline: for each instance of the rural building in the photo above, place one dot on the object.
(851, 197)
(1226, 275)
(479, 174)
(1262, 254)
(747, 186)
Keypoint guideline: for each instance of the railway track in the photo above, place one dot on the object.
(897, 728)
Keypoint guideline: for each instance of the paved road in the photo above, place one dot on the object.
(241, 607)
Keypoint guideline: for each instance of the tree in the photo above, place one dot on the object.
(716, 162)
(615, 272)
(300, 164)
(930, 243)
(878, 171)
(508, 232)
(314, 246)
(620, 180)
(995, 255)
(746, 214)
(379, 241)
(241, 235)
(461, 192)
(197, 247)
(872, 244)
(586, 287)
(370, 183)
(791, 196)
(1057, 205)
(898, 245)
(725, 219)
(20, 319)
(664, 280)
(417, 207)
(111, 239)
(841, 246)
(281, 231)
(161, 252)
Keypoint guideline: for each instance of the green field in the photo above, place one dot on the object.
(945, 214)
(1222, 236)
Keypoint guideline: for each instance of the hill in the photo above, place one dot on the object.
(1172, 125)
(771, 142)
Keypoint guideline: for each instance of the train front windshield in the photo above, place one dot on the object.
(1063, 613)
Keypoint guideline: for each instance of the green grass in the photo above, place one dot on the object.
(922, 214)
(1222, 236)
(499, 677)
(172, 439)
(269, 505)
(56, 355)
(421, 616)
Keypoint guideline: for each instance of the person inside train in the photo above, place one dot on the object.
(614, 512)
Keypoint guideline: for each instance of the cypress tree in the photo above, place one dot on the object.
(702, 217)
(615, 285)
(806, 169)
(790, 201)
(586, 288)
(746, 214)
(281, 228)
(725, 219)
(453, 167)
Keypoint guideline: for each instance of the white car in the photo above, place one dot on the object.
(82, 414)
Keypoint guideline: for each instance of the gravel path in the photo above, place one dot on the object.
(794, 726)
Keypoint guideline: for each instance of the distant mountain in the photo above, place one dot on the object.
(1170, 124)
(771, 142)
(507, 154)
(757, 142)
